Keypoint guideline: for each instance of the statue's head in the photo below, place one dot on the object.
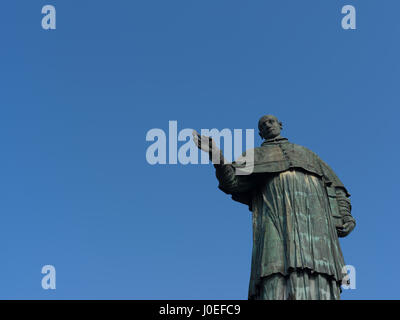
(269, 127)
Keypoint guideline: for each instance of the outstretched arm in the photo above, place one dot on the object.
(229, 182)
(208, 145)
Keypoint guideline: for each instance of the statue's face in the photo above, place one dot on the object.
(269, 127)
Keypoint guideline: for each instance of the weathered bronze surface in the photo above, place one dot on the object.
(299, 209)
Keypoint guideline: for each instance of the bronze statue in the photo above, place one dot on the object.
(299, 208)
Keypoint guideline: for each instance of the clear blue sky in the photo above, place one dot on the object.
(77, 102)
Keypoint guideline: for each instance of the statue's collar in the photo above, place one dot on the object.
(274, 141)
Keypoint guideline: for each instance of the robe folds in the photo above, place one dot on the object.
(296, 252)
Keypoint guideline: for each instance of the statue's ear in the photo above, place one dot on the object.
(280, 124)
(260, 134)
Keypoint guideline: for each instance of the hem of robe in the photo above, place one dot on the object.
(287, 293)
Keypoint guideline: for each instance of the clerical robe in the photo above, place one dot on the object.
(296, 251)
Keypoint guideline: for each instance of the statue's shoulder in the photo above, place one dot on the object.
(302, 149)
(273, 152)
(299, 153)
(310, 156)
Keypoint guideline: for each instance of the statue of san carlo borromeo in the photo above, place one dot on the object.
(299, 209)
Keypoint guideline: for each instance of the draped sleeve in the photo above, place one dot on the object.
(241, 187)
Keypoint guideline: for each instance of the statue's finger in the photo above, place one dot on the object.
(196, 135)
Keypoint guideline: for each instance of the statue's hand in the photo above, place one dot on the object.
(346, 229)
(204, 143)
(208, 145)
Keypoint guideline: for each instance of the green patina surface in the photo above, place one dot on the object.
(299, 210)
(293, 196)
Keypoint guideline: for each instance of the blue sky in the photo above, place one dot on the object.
(77, 102)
